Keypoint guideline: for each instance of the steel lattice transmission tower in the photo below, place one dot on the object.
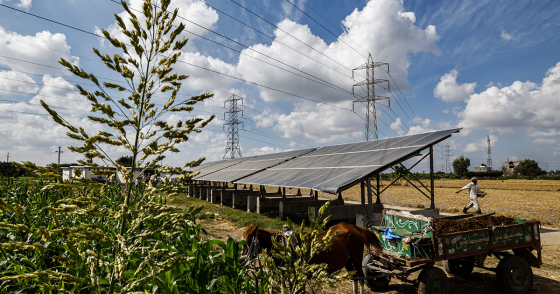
(232, 124)
(489, 160)
(447, 152)
(371, 99)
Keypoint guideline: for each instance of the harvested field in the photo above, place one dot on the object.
(524, 199)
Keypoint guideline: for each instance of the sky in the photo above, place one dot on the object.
(491, 68)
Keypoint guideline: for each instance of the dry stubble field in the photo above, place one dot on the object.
(525, 199)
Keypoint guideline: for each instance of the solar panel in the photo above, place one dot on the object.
(251, 166)
(219, 165)
(335, 168)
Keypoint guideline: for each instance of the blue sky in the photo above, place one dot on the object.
(491, 67)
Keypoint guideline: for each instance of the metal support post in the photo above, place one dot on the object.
(433, 204)
(369, 196)
(363, 196)
(378, 201)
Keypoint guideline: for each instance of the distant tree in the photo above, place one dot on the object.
(461, 165)
(528, 167)
(125, 161)
(482, 164)
(7, 169)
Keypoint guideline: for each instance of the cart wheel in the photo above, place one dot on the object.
(460, 267)
(515, 275)
(374, 284)
(433, 280)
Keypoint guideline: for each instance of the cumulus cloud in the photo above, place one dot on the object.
(532, 132)
(264, 150)
(544, 141)
(216, 148)
(34, 49)
(12, 82)
(397, 126)
(450, 91)
(523, 104)
(382, 28)
(193, 10)
(335, 124)
(481, 144)
(23, 4)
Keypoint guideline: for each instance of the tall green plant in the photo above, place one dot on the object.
(297, 274)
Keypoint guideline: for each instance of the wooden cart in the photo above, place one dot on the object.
(419, 248)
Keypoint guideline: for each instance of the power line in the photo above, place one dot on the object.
(290, 35)
(305, 3)
(207, 69)
(272, 38)
(405, 100)
(326, 28)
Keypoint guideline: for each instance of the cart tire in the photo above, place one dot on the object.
(433, 280)
(460, 267)
(374, 284)
(515, 275)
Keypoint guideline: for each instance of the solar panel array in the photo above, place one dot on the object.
(251, 166)
(333, 168)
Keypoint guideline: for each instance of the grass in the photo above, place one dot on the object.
(237, 217)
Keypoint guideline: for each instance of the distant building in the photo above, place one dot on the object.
(508, 166)
(482, 168)
(69, 171)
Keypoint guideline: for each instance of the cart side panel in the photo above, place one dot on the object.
(513, 234)
(466, 241)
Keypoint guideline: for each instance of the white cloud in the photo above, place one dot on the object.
(523, 104)
(12, 82)
(193, 10)
(380, 28)
(420, 126)
(264, 150)
(35, 49)
(450, 91)
(23, 4)
(54, 93)
(507, 37)
(481, 144)
(532, 132)
(216, 148)
(397, 126)
(321, 123)
(544, 141)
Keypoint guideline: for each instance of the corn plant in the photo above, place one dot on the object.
(297, 274)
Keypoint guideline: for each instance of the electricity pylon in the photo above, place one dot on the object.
(447, 152)
(489, 160)
(233, 122)
(371, 99)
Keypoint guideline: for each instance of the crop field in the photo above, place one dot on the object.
(525, 199)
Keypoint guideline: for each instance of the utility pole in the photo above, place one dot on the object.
(8, 157)
(447, 152)
(233, 122)
(370, 99)
(59, 151)
(489, 160)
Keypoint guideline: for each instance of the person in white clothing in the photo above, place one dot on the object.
(474, 193)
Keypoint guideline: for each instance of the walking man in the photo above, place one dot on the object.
(474, 191)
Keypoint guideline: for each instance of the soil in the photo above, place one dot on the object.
(444, 226)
